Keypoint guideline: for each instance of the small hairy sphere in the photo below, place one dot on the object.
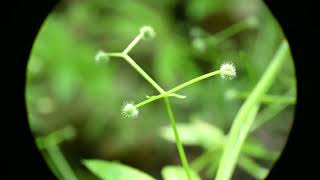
(148, 32)
(128, 110)
(228, 70)
(101, 57)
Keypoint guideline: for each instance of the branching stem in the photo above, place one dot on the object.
(177, 88)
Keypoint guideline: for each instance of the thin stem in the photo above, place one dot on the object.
(115, 54)
(177, 88)
(269, 113)
(230, 31)
(153, 98)
(61, 163)
(51, 164)
(133, 43)
(192, 81)
(201, 161)
(173, 95)
(267, 99)
(242, 122)
(252, 168)
(141, 71)
(178, 141)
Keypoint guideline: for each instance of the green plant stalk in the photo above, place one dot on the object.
(201, 161)
(177, 88)
(125, 56)
(269, 113)
(161, 91)
(61, 163)
(51, 164)
(133, 43)
(268, 99)
(228, 32)
(143, 73)
(181, 152)
(242, 124)
(252, 167)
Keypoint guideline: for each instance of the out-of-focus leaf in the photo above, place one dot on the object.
(195, 133)
(186, 134)
(255, 149)
(107, 170)
(251, 167)
(213, 164)
(199, 9)
(177, 173)
(56, 137)
(209, 136)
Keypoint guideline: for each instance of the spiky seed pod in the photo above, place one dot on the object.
(101, 56)
(148, 32)
(128, 110)
(228, 70)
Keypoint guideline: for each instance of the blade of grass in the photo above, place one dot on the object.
(61, 163)
(242, 122)
(181, 152)
(269, 113)
(252, 168)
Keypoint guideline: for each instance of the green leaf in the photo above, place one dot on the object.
(107, 170)
(251, 167)
(199, 9)
(186, 134)
(177, 173)
(56, 137)
(254, 148)
(195, 133)
(208, 135)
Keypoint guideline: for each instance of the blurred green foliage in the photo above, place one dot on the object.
(113, 170)
(65, 87)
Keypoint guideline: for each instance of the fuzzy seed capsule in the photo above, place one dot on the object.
(101, 57)
(228, 71)
(129, 110)
(148, 32)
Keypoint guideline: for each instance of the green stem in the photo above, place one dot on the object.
(201, 161)
(269, 113)
(252, 168)
(141, 71)
(231, 30)
(133, 43)
(192, 81)
(61, 163)
(177, 88)
(178, 141)
(266, 99)
(115, 54)
(242, 123)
